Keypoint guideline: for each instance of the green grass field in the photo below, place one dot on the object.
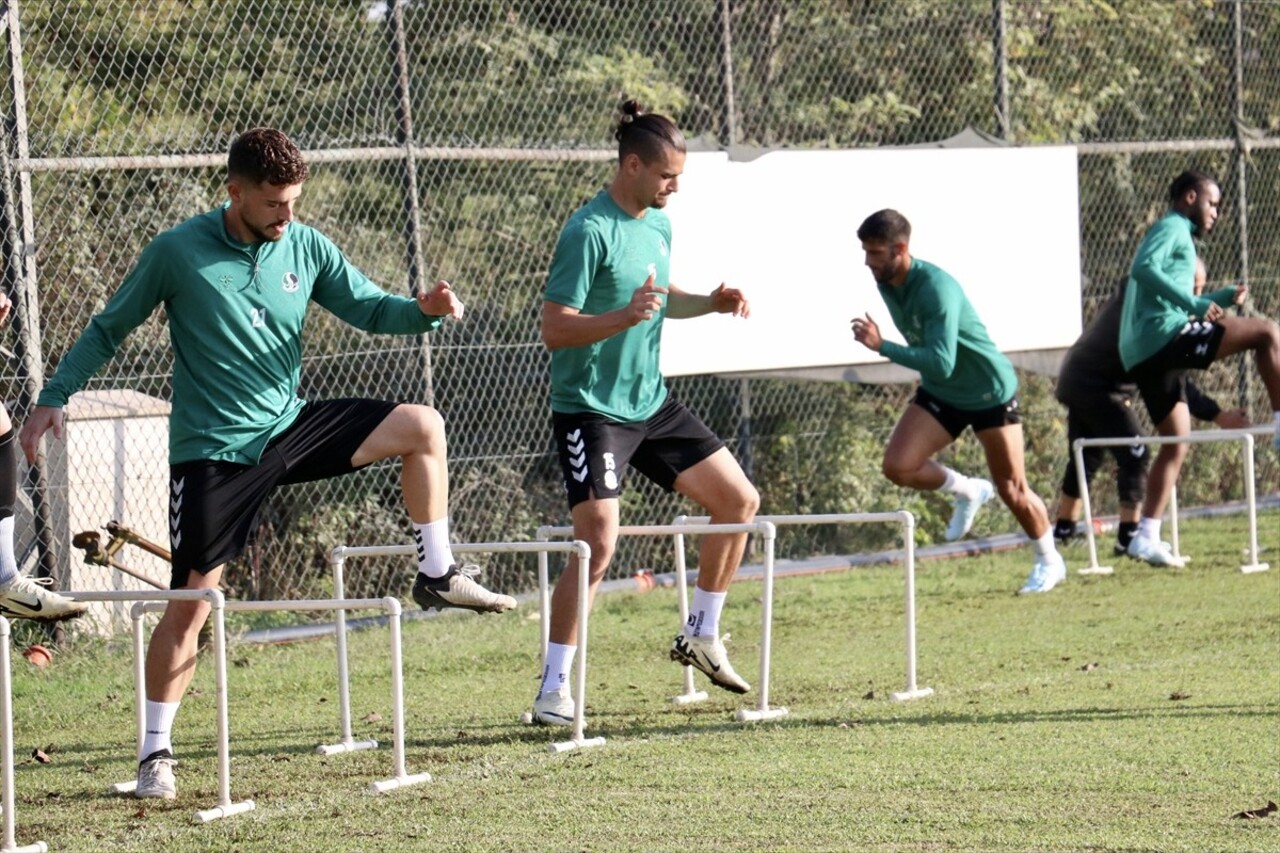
(1135, 712)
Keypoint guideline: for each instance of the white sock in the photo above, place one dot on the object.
(8, 563)
(159, 727)
(704, 615)
(435, 556)
(958, 484)
(1149, 528)
(555, 673)
(1044, 546)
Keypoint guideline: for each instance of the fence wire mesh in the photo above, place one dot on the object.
(498, 113)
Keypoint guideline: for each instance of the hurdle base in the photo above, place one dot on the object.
(225, 811)
(345, 746)
(907, 695)
(1254, 567)
(1096, 570)
(570, 745)
(33, 847)
(689, 698)
(752, 715)
(405, 781)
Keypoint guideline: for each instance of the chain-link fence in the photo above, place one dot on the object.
(452, 140)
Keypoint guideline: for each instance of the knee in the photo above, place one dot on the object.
(182, 619)
(743, 505)
(1013, 492)
(895, 472)
(427, 426)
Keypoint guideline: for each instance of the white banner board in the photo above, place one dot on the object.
(783, 228)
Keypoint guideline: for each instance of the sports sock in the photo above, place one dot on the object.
(8, 497)
(159, 728)
(1044, 546)
(957, 484)
(704, 615)
(1149, 528)
(1125, 533)
(555, 673)
(435, 556)
(1064, 528)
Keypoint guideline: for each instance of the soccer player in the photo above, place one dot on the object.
(236, 283)
(1099, 396)
(607, 296)
(21, 597)
(964, 381)
(1161, 339)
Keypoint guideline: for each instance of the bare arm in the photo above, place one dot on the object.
(722, 300)
(563, 326)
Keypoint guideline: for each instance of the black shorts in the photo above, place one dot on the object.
(594, 449)
(1108, 415)
(954, 420)
(1162, 378)
(213, 504)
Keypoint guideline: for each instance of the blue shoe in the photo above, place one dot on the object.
(1045, 574)
(967, 510)
(1155, 553)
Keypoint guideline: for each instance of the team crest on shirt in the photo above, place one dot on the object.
(662, 247)
(290, 282)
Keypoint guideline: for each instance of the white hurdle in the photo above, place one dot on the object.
(1244, 436)
(401, 778)
(216, 600)
(10, 845)
(767, 533)
(908, 524)
(338, 558)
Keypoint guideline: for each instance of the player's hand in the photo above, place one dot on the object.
(729, 300)
(1213, 312)
(1242, 293)
(441, 301)
(1232, 419)
(866, 332)
(6, 305)
(646, 301)
(41, 419)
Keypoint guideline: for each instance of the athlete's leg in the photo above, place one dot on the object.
(595, 521)
(1168, 463)
(1263, 337)
(908, 457)
(719, 485)
(415, 434)
(1003, 447)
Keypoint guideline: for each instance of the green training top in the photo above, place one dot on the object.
(946, 340)
(1160, 295)
(602, 256)
(236, 313)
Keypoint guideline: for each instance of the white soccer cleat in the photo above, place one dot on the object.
(458, 589)
(26, 598)
(708, 655)
(1155, 553)
(967, 510)
(1045, 575)
(554, 708)
(155, 777)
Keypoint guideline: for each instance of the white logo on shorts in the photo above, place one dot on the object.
(610, 472)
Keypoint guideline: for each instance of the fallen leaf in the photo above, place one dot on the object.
(53, 795)
(1089, 667)
(1068, 657)
(870, 694)
(1254, 814)
(39, 755)
(373, 717)
(1178, 696)
(242, 662)
(140, 813)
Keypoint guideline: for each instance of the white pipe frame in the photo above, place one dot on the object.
(1244, 436)
(767, 533)
(9, 844)
(339, 555)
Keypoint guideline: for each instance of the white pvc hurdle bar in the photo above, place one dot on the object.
(902, 517)
(217, 602)
(1244, 436)
(767, 533)
(338, 559)
(10, 845)
(401, 778)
